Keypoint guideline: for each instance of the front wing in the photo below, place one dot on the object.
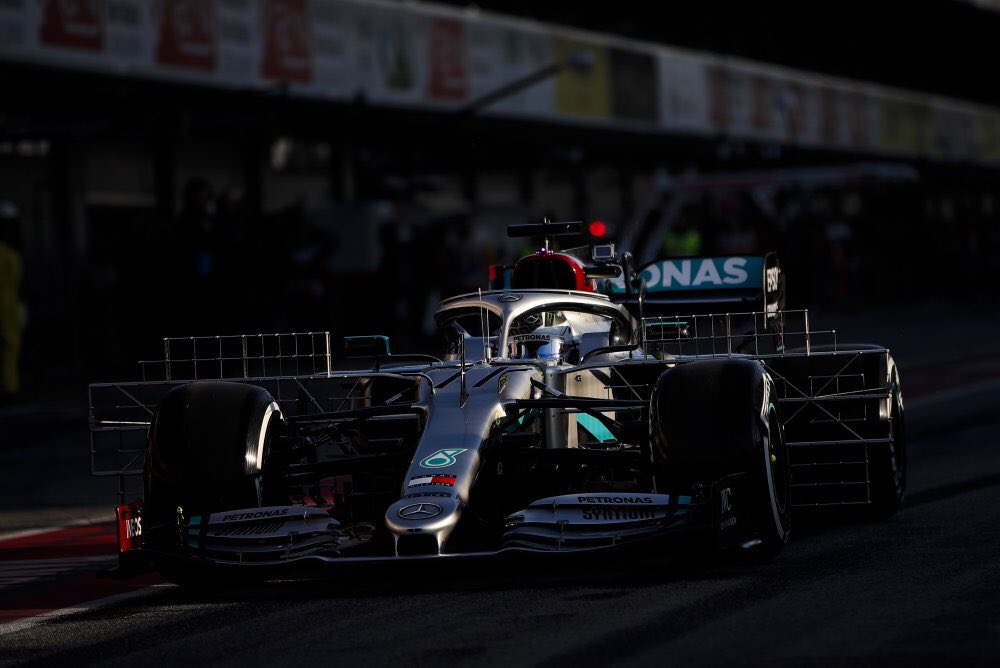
(280, 536)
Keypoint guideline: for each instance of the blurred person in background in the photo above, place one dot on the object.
(306, 250)
(199, 245)
(12, 309)
(684, 238)
(237, 272)
(463, 256)
(736, 232)
(350, 266)
(406, 259)
(844, 263)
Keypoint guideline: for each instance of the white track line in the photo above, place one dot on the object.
(104, 517)
(28, 622)
(16, 572)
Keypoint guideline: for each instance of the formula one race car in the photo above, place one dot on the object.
(558, 418)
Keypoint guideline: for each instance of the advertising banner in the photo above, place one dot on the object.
(238, 39)
(763, 93)
(683, 92)
(286, 41)
(447, 60)
(988, 127)
(501, 55)
(862, 118)
(580, 93)
(76, 24)
(905, 126)
(391, 52)
(435, 57)
(954, 134)
(833, 116)
(633, 85)
(186, 34)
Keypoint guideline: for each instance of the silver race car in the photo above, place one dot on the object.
(584, 404)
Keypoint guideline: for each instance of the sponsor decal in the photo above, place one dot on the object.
(725, 500)
(527, 338)
(255, 515)
(706, 273)
(129, 527)
(771, 278)
(425, 493)
(419, 511)
(448, 480)
(700, 274)
(441, 458)
(605, 513)
(618, 500)
(133, 527)
(726, 508)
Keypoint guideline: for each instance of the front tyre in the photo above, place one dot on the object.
(209, 450)
(712, 419)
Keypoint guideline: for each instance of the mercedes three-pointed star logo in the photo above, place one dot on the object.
(419, 511)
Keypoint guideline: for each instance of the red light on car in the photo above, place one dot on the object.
(597, 228)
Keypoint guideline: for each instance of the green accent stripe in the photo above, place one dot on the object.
(595, 427)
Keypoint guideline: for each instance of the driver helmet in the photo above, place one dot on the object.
(545, 343)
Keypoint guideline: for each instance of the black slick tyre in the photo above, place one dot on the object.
(887, 462)
(208, 451)
(716, 418)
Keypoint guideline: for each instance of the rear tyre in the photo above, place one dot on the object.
(715, 418)
(887, 463)
(208, 451)
(771, 496)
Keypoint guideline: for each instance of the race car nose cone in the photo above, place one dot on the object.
(419, 511)
(428, 515)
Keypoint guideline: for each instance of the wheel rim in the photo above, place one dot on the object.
(776, 467)
(897, 450)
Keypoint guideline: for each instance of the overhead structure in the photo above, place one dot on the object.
(431, 57)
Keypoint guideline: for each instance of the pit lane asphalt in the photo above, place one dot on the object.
(919, 589)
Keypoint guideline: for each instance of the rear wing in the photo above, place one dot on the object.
(701, 285)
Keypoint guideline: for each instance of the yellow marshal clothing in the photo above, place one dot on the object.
(685, 243)
(11, 319)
